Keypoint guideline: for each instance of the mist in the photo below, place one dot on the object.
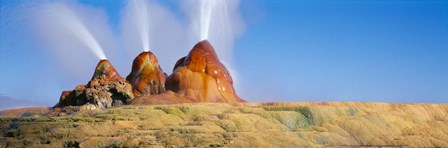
(171, 36)
(222, 27)
(78, 36)
(166, 33)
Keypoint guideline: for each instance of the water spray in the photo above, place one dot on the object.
(206, 11)
(140, 10)
(74, 25)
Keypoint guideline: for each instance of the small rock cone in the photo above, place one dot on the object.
(104, 69)
(106, 89)
(146, 77)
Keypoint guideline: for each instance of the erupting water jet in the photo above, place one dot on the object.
(207, 7)
(74, 26)
(139, 9)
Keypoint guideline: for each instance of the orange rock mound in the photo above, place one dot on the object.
(146, 77)
(201, 76)
(104, 69)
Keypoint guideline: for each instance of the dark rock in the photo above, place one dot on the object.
(106, 88)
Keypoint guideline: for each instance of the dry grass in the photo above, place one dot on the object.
(343, 124)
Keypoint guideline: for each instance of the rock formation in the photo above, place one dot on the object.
(198, 77)
(146, 77)
(201, 76)
(106, 88)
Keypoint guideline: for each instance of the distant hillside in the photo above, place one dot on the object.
(235, 125)
(10, 103)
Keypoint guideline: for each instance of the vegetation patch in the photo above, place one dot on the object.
(305, 111)
(223, 125)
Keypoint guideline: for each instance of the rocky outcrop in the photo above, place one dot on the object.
(201, 76)
(106, 88)
(146, 77)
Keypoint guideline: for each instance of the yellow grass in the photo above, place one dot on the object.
(344, 124)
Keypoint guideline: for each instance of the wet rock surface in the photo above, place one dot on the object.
(106, 89)
(146, 77)
(201, 76)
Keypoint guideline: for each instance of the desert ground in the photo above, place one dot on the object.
(319, 124)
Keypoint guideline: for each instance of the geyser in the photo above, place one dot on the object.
(139, 10)
(206, 9)
(200, 75)
(197, 77)
(64, 16)
(146, 77)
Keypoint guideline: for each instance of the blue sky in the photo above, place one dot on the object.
(350, 50)
(291, 50)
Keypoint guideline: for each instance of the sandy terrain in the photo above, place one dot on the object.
(233, 125)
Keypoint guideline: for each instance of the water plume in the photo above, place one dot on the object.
(206, 10)
(219, 22)
(72, 25)
(139, 10)
(166, 32)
